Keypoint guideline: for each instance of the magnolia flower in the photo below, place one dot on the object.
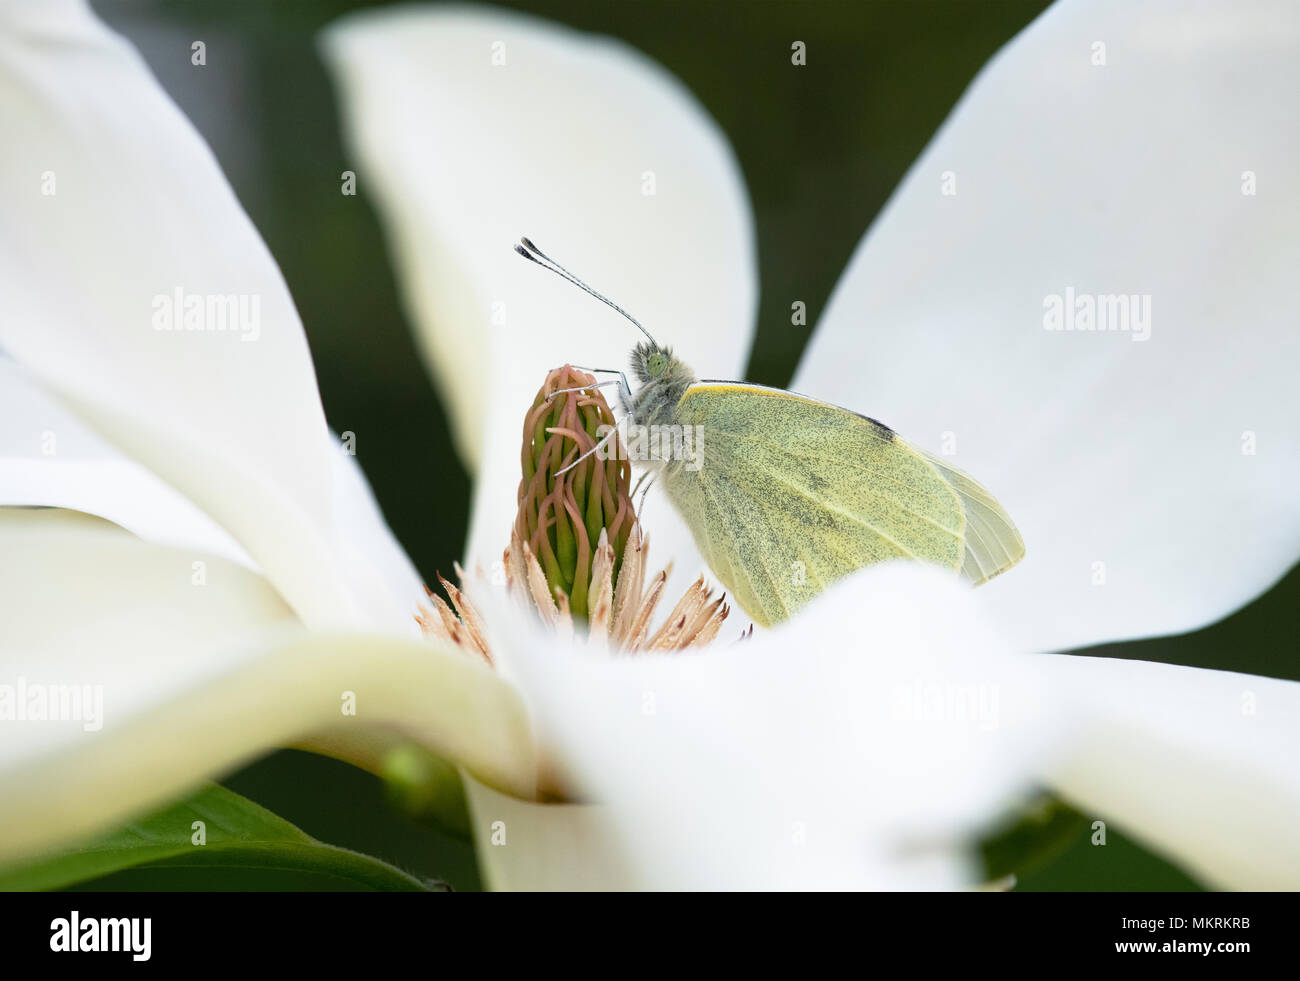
(238, 580)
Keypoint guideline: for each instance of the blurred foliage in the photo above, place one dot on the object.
(821, 150)
(1045, 828)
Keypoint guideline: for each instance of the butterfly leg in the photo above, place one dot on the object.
(582, 388)
(645, 492)
(624, 389)
(595, 449)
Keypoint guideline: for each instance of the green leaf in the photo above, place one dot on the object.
(1042, 830)
(239, 834)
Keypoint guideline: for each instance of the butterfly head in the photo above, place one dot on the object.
(651, 362)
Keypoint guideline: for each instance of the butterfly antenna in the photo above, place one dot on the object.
(533, 254)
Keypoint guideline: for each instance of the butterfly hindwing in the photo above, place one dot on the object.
(993, 544)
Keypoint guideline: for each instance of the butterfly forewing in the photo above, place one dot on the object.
(793, 494)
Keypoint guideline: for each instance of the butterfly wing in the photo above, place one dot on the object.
(993, 544)
(792, 494)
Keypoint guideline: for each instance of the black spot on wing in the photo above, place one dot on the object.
(883, 431)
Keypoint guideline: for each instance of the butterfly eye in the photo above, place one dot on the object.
(656, 363)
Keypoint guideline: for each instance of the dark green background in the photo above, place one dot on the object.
(821, 147)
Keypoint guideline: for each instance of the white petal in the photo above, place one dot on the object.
(372, 560)
(112, 204)
(50, 458)
(1121, 460)
(858, 746)
(197, 679)
(463, 156)
(1200, 765)
(525, 846)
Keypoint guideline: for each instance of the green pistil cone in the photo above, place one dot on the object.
(561, 516)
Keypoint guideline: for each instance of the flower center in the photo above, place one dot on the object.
(577, 552)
